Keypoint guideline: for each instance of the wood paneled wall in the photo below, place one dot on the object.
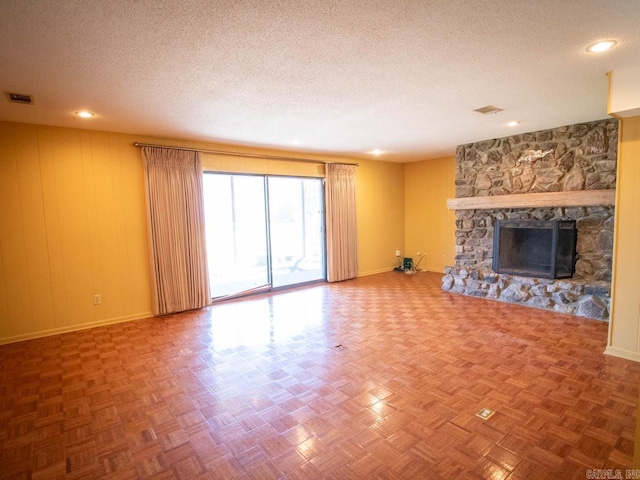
(72, 225)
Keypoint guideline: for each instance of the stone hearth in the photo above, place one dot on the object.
(571, 158)
(585, 299)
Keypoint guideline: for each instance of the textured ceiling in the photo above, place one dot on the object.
(341, 77)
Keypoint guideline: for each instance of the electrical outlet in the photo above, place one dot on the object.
(418, 254)
(397, 253)
(97, 299)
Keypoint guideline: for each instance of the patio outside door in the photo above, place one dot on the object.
(263, 232)
(296, 218)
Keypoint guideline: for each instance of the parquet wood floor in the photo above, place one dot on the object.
(374, 378)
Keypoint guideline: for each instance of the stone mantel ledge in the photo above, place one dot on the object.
(572, 296)
(575, 198)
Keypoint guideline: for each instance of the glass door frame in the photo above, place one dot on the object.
(264, 287)
(323, 232)
(268, 287)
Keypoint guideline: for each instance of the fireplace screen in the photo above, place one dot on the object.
(532, 248)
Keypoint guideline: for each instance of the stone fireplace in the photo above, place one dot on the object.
(566, 173)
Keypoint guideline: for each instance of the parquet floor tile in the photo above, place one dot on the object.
(374, 378)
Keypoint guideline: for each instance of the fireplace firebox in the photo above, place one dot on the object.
(535, 248)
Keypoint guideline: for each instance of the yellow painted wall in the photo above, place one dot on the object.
(624, 327)
(380, 211)
(429, 225)
(228, 164)
(73, 223)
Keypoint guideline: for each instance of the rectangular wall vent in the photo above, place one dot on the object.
(488, 110)
(20, 98)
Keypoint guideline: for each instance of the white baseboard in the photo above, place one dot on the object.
(73, 328)
(626, 354)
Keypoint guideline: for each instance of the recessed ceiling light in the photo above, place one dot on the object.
(600, 47)
(85, 114)
(376, 152)
(295, 142)
(513, 123)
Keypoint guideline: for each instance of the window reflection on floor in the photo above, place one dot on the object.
(265, 320)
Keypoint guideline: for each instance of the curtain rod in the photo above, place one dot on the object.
(240, 154)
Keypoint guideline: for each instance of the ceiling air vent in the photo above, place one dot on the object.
(20, 98)
(488, 110)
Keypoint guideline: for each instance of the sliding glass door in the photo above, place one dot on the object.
(263, 232)
(236, 233)
(297, 230)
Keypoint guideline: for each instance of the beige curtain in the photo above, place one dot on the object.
(176, 219)
(342, 244)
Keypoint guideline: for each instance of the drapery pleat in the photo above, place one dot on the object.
(342, 242)
(176, 221)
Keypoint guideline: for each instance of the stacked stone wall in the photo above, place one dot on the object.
(576, 297)
(575, 157)
(570, 158)
(474, 236)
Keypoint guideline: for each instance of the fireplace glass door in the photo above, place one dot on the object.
(544, 249)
